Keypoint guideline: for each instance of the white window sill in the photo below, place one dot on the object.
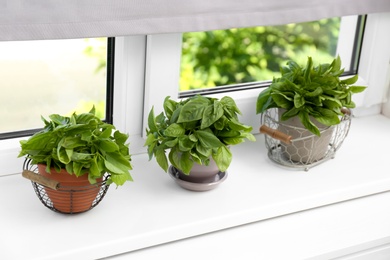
(153, 210)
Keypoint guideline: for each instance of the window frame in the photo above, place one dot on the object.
(147, 69)
(109, 95)
(245, 95)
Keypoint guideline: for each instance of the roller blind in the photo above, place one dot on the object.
(61, 19)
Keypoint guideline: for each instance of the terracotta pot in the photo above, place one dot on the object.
(307, 147)
(201, 173)
(74, 195)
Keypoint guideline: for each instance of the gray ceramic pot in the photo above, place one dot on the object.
(201, 173)
(306, 147)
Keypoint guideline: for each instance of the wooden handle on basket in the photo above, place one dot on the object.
(275, 134)
(32, 176)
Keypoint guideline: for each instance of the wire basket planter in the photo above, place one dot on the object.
(62, 198)
(295, 147)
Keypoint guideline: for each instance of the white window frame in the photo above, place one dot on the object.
(147, 69)
(246, 99)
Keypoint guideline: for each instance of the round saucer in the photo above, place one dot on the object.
(193, 186)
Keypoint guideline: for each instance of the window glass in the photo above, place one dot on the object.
(51, 76)
(226, 57)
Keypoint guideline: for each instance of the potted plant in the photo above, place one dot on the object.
(78, 151)
(313, 98)
(197, 132)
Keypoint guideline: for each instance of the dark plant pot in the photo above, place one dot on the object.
(201, 173)
(75, 194)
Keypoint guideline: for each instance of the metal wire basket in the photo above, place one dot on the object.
(295, 147)
(61, 198)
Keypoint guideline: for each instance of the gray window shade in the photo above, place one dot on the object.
(60, 19)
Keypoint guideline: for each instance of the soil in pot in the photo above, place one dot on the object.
(75, 194)
(306, 147)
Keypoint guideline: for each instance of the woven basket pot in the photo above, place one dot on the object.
(307, 148)
(75, 194)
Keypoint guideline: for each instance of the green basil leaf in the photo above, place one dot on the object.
(161, 159)
(175, 116)
(350, 80)
(327, 116)
(304, 117)
(84, 118)
(232, 140)
(76, 168)
(223, 158)
(150, 139)
(230, 104)
(356, 89)
(171, 143)
(221, 123)
(71, 142)
(121, 178)
(185, 144)
(249, 136)
(308, 69)
(68, 167)
(282, 100)
(80, 157)
(94, 170)
(195, 157)
(293, 67)
(185, 163)
(106, 132)
(169, 106)
(160, 120)
(229, 133)
(289, 113)
(120, 137)
(116, 163)
(206, 152)
(107, 145)
(329, 104)
(264, 101)
(86, 136)
(73, 119)
(151, 121)
(299, 100)
(193, 138)
(235, 125)
(334, 101)
(93, 110)
(59, 120)
(151, 150)
(318, 91)
(40, 142)
(211, 114)
(174, 130)
(174, 158)
(192, 111)
(69, 152)
(63, 156)
(207, 139)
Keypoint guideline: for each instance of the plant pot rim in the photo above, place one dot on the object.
(195, 186)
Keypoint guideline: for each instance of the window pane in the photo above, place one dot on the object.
(225, 57)
(51, 76)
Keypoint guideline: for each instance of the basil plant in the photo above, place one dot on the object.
(310, 92)
(195, 130)
(80, 144)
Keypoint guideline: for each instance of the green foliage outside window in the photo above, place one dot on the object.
(225, 57)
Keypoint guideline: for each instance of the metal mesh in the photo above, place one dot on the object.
(65, 197)
(306, 149)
